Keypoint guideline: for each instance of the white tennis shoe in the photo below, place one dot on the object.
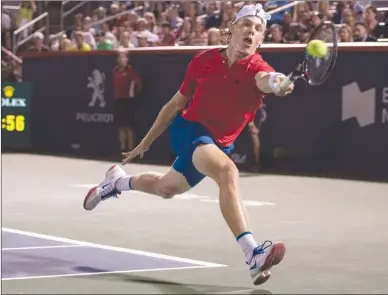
(105, 190)
(264, 257)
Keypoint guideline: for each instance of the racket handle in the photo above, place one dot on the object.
(285, 83)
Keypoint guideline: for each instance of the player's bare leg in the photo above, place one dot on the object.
(122, 137)
(164, 185)
(212, 162)
(116, 181)
(129, 138)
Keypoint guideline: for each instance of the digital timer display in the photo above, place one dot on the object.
(14, 123)
(15, 116)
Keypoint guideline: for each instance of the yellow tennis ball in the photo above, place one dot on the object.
(317, 48)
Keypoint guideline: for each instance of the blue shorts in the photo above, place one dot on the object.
(185, 136)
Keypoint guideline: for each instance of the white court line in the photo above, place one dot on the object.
(111, 248)
(41, 247)
(100, 273)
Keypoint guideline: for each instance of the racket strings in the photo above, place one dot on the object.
(319, 67)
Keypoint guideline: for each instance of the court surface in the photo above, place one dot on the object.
(335, 232)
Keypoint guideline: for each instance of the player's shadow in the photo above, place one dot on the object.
(167, 287)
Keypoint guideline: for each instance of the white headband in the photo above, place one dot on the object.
(253, 10)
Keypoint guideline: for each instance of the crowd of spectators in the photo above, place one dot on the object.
(197, 23)
(201, 23)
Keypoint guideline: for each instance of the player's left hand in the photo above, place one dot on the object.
(136, 152)
(282, 92)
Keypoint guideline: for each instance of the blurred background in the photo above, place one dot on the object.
(62, 55)
(57, 26)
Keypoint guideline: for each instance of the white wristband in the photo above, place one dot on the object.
(271, 83)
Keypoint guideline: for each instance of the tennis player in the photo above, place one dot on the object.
(220, 94)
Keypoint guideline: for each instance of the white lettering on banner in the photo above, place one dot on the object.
(95, 117)
(384, 116)
(359, 105)
(385, 95)
(362, 105)
(384, 111)
(14, 102)
(97, 83)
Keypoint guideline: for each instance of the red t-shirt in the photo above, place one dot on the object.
(126, 82)
(223, 99)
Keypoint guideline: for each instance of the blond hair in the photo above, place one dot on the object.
(347, 28)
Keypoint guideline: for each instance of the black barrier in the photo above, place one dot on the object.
(339, 127)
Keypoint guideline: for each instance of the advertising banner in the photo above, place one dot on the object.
(73, 112)
(339, 127)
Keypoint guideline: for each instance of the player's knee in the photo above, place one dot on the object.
(228, 174)
(166, 192)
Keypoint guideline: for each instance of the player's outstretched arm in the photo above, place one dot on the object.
(169, 111)
(167, 114)
(270, 83)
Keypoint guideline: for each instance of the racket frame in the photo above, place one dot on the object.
(301, 70)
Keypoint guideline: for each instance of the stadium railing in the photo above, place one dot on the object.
(11, 55)
(16, 43)
(11, 7)
(281, 8)
(109, 18)
(65, 13)
(106, 19)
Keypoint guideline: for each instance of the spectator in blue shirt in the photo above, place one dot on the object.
(279, 16)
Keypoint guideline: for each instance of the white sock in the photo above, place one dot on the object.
(124, 183)
(247, 244)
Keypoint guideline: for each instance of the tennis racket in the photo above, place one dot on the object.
(315, 70)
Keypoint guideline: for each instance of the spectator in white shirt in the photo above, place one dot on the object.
(141, 25)
(87, 26)
(125, 40)
(142, 39)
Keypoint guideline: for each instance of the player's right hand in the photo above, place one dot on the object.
(137, 151)
(282, 92)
